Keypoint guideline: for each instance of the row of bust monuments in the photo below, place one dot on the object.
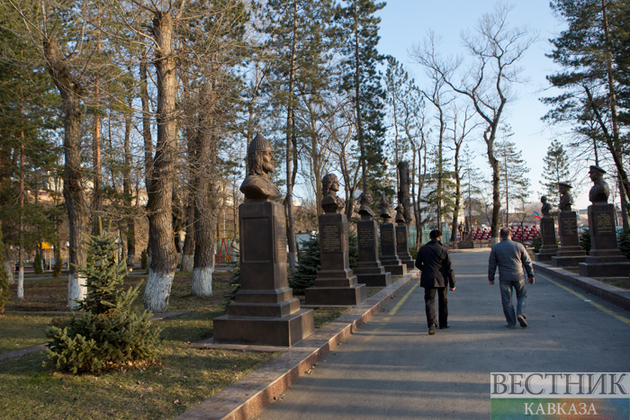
(264, 311)
(604, 259)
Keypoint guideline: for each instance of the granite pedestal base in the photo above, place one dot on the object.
(283, 331)
(264, 311)
(466, 244)
(336, 284)
(399, 269)
(411, 264)
(348, 296)
(544, 257)
(372, 274)
(605, 259)
(567, 261)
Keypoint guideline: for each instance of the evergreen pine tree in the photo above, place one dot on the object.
(556, 170)
(105, 333)
(308, 267)
(361, 80)
(514, 185)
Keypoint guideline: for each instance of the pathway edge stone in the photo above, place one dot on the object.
(247, 396)
(612, 294)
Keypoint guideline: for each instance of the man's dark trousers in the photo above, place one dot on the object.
(429, 303)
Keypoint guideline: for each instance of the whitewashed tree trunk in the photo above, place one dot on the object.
(202, 281)
(20, 285)
(7, 269)
(187, 262)
(158, 291)
(77, 290)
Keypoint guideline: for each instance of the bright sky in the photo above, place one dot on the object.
(406, 22)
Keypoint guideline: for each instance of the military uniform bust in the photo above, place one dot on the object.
(385, 211)
(599, 191)
(546, 207)
(331, 203)
(257, 186)
(566, 201)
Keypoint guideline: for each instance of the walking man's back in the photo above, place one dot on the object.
(511, 257)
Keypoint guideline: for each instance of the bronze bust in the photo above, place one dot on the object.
(365, 211)
(331, 203)
(400, 218)
(599, 191)
(566, 201)
(546, 207)
(385, 211)
(257, 186)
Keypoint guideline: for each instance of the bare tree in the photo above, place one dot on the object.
(495, 50)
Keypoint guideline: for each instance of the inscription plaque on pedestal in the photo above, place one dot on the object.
(570, 253)
(369, 270)
(549, 246)
(605, 259)
(389, 256)
(335, 284)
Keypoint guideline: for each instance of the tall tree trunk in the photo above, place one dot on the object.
(290, 140)
(97, 200)
(20, 285)
(76, 208)
(205, 191)
(189, 242)
(146, 133)
(131, 223)
(159, 207)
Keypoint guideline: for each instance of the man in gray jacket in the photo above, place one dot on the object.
(511, 257)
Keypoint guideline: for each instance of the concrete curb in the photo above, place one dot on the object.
(247, 396)
(612, 294)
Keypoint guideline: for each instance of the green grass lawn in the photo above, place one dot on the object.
(181, 378)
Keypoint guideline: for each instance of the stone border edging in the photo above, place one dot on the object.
(612, 294)
(250, 394)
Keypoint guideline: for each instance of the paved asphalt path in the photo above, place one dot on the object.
(392, 369)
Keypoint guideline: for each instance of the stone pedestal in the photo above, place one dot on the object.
(389, 256)
(402, 246)
(466, 243)
(549, 246)
(605, 259)
(570, 253)
(369, 270)
(336, 284)
(264, 311)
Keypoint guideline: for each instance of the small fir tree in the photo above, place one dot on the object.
(585, 240)
(624, 242)
(556, 170)
(308, 267)
(105, 333)
(235, 282)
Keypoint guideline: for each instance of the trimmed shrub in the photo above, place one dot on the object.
(105, 333)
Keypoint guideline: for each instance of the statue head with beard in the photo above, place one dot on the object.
(257, 186)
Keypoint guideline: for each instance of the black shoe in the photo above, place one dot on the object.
(432, 329)
(444, 326)
(521, 320)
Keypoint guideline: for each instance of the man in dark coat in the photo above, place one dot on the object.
(437, 273)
